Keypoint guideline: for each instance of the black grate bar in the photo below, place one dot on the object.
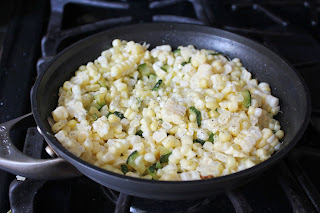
(238, 5)
(305, 64)
(43, 63)
(200, 11)
(302, 177)
(271, 15)
(51, 42)
(109, 194)
(299, 201)
(34, 143)
(22, 193)
(123, 203)
(257, 32)
(179, 19)
(313, 12)
(101, 4)
(57, 7)
(159, 4)
(239, 202)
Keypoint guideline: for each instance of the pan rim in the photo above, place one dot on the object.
(64, 153)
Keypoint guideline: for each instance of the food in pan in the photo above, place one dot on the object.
(160, 114)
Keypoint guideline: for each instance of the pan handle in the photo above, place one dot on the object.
(14, 161)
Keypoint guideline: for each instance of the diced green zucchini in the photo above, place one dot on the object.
(211, 138)
(165, 158)
(189, 61)
(218, 53)
(124, 168)
(198, 114)
(216, 109)
(152, 169)
(102, 82)
(152, 78)
(163, 150)
(177, 52)
(100, 100)
(139, 133)
(199, 141)
(116, 113)
(94, 104)
(144, 69)
(183, 63)
(138, 100)
(94, 116)
(246, 98)
(158, 165)
(154, 176)
(165, 67)
(132, 157)
(157, 85)
(135, 160)
(119, 114)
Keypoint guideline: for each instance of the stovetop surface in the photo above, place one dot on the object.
(32, 34)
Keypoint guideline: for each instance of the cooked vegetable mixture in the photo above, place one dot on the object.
(159, 114)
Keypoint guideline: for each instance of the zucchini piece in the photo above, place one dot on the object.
(100, 100)
(139, 133)
(116, 113)
(152, 78)
(154, 176)
(218, 53)
(189, 61)
(198, 114)
(211, 138)
(177, 52)
(132, 157)
(246, 98)
(94, 104)
(165, 158)
(152, 169)
(158, 165)
(119, 114)
(138, 100)
(135, 160)
(109, 113)
(102, 82)
(144, 69)
(94, 116)
(183, 63)
(124, 168)
(165, 67)
(199, 141)
(157, 85)
(163, 150)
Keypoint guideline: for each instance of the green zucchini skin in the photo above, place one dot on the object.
(246, 98)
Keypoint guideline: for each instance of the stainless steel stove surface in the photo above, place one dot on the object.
(290, 28)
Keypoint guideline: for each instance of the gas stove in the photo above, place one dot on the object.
(36, 32)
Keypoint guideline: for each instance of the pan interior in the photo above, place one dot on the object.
(262, 63)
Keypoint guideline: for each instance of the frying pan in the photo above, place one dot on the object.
(286, 84)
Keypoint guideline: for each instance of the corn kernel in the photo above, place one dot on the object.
(113, 118)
